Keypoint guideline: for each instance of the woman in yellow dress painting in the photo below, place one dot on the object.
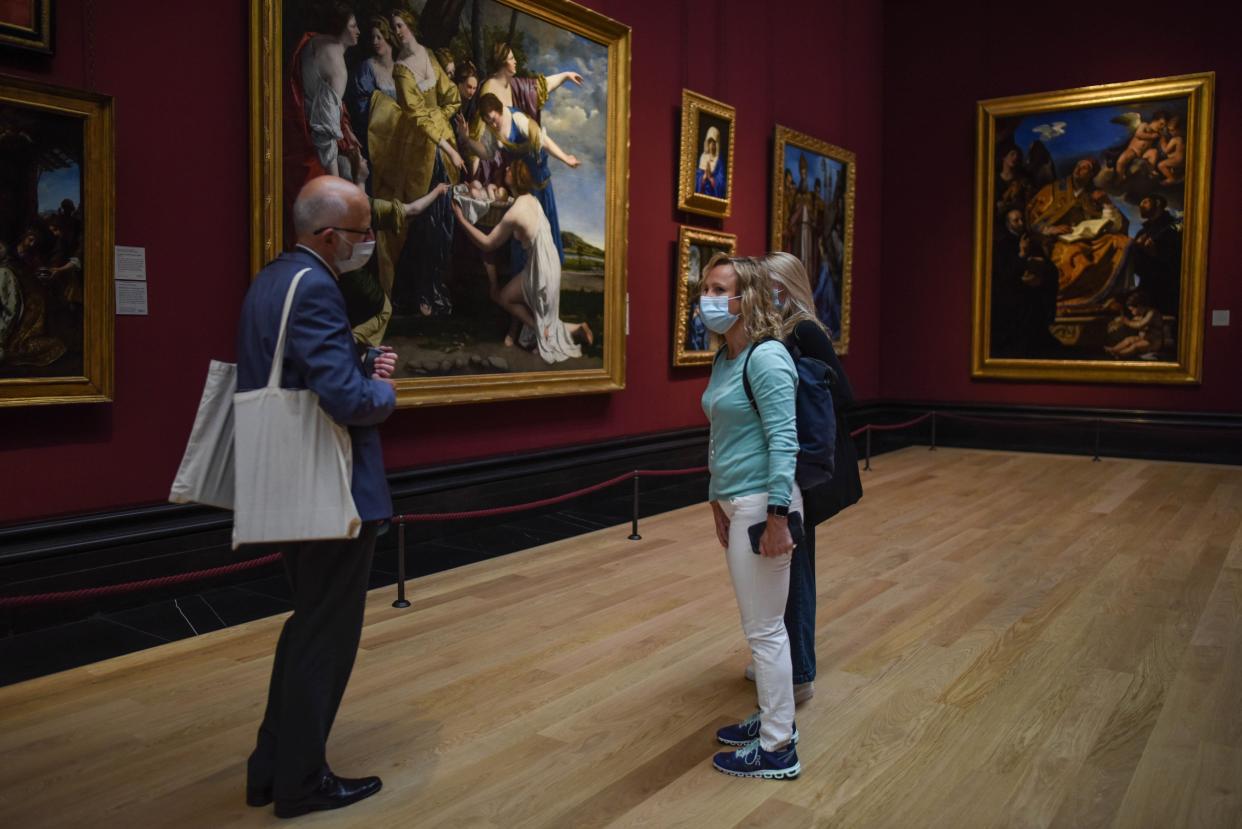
(412, 150)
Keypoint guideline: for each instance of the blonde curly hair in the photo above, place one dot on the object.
(759, 314)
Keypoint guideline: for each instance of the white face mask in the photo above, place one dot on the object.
(360, 254)
(715, 312)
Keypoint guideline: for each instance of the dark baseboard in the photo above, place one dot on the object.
(1118, 433)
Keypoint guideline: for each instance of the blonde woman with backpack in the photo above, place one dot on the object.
(800, 326)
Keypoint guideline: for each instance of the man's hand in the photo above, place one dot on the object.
(776, 540)
(385, 363)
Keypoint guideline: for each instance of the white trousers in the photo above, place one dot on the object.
(762, 587)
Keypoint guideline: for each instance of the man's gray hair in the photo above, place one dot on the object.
(321, 209)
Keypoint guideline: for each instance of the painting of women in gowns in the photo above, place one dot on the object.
(410, 134)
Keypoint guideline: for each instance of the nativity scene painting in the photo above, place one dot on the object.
(55, 245)
(487, 137)
(1093, 204)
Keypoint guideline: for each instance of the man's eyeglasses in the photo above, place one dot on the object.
(367, 233)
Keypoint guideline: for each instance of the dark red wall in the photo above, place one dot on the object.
(178, 72)
(939, 59)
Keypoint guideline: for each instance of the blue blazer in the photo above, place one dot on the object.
(320, 355)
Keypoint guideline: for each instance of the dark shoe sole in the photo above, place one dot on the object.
(258, 797)
(288, 810)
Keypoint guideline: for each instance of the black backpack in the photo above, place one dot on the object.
(816, 417)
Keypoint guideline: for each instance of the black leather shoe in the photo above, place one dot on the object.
(332, 793)
(258, 797)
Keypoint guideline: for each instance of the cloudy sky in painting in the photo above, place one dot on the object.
(57, 185)
(575, 116)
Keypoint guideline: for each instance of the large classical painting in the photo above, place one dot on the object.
(26, 24)
(692, 344)
(56, 235)
(1091, 232)
(813, 218)
(705, 170)
(492, 139)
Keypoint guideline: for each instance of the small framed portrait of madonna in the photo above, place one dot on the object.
(706, 169)
(695, 248)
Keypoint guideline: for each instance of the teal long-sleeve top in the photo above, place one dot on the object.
(750, 452)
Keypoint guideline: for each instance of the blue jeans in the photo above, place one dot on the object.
(800, 610)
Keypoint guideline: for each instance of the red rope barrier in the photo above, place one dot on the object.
(889, 427)
(130, 586)
(412, 518)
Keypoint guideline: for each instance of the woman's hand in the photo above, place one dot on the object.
(572, 161)
(722, 525)
(461, 217)
(776, 540)
(454, 156)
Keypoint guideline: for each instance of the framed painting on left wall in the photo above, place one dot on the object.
(492, 137)
(26, 24)
(56, 245)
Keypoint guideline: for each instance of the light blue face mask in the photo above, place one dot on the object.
(715, 311)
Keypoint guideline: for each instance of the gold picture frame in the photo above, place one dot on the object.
(695, 246)
(700, 179)
(813, 185)
(267, 82)
(1091, 232)
(33, 35)
(56, 283)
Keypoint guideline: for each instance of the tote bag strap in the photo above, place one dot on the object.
(278, 356)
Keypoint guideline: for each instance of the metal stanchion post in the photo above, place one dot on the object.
(401, 601)
(932, 448)
(867, 466)
(634, 536)
(1096, 459)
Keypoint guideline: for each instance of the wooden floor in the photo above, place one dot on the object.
(1004, 640)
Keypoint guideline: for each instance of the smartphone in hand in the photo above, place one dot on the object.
(795, 531)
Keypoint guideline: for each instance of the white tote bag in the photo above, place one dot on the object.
(293, 461)
(206, 472)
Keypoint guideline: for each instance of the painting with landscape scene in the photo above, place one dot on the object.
(1091, 218)
(491, 139)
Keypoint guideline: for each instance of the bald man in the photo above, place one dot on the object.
(328, 579)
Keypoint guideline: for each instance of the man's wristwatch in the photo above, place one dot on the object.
(778, 510)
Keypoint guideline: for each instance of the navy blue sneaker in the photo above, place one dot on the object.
(752, 761)
(746, 732)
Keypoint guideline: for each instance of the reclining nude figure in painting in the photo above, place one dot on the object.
(534, 296)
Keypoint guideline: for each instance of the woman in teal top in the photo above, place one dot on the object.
(752, 456)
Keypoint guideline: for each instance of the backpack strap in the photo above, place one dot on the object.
(750, 395)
